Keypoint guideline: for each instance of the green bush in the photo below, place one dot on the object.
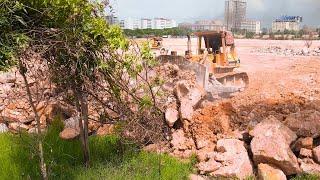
(109, 158)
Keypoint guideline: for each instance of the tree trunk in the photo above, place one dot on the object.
(23, 71)
(82, 108)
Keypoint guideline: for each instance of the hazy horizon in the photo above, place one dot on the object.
(191, 10)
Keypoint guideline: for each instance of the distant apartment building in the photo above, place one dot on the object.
(112, 19)
(163, 23)
(145, 23)
(130, 23)
(204, 25)
(251, 26)
(290, 23)
(235, 13)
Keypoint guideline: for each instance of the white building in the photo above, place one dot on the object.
(130, 23)
(163, 23)
(204, 25)
(146, 23)
(290, 23)
(251, 26)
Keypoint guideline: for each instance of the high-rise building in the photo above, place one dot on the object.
(235, 13)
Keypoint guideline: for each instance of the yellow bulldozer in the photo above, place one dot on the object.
(215, 65)
(156, 43)
(220, 56)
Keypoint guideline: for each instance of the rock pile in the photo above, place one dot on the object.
(16, 114)
(276, 50)
(270, 142)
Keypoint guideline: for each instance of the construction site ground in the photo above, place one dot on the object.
(272, 77)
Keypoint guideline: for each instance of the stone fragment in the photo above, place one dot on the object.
(304, 123)
(196, 177)
(316, 154)
(7, 78)
(18, 127)
(69, 134)
(305, 153)
(267, 172)
(306, 143)
(171, 115)
(106, 129)
(234, 159)
(308, 166)
(72, 122)
(209, 166)
(3, 128)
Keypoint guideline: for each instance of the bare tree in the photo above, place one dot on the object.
(23, 71)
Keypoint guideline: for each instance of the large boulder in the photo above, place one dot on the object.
(271, 145)
(272, 127)
(234, 159)
(69, 134)
(304, 123)
(3, 128)
(267, 172)
(189, 95)
(171, 115)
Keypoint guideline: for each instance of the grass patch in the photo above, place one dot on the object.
(109, 159)
(307, 177)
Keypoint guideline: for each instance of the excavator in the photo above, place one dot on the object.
(215, 63)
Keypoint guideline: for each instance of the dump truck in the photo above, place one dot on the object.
(216, 62)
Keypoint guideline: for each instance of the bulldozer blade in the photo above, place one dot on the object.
(235, 79)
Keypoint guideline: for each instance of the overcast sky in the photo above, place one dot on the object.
(190, 10)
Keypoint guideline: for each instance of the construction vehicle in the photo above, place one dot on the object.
(216, 64)
(156, 43)
(219, 54)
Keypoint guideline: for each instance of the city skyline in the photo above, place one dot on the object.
(191, 10)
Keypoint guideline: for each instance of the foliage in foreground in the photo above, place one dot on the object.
(110, 158)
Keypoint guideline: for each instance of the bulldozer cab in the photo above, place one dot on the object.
(156, 43)
(219, 46)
